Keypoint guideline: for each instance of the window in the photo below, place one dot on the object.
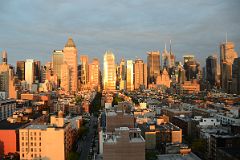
(22, 155)
(39, 144)
(22, 138)
(22, 143)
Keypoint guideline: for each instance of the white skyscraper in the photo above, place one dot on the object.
(29, 72)
(109, 69)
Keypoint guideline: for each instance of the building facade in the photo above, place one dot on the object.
(70, 57)
(109, 71)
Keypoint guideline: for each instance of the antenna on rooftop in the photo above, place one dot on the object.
(226, 37)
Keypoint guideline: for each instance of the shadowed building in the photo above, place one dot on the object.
(124, 143)
(211, 70)
(153, 62)
(57, 61)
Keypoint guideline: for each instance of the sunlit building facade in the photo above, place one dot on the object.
(94, 74)
(109, 71)
(227, 56)
(29, 72)
(140, 74)
(130, 85)
(70, 57)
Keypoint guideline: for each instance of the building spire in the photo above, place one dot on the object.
(70, 43)
(170, 46)
(226, 37)
(4, 57)
(165, 48)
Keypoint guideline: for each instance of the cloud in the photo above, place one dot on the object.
(33, 29)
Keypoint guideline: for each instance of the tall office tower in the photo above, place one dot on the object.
(70, 57)
(94, 74)
(29, 72)
(21, 70)
(109, 71)
(122, 70)
(236, 76)
(191, 67)
(121, 74)
(4, 74)
(227, 56)
(7, 77)
(140, 74)
(130, 85)
(57, 61)
(153, 62)
(84, 69)
(37, 71)
(65, 77)
(211, 70)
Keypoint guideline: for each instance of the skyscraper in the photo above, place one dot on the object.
(227, 56)
(57, 61)
(84, 69)
(236, 76)
(109, 71)
(70, 57)
(153, 62)
(121, 74)
(37, 71)
(130, 85)
(29, 72)
(211, 70)
(191, 67)
(21, 70)
(65, 77)
(140, 74)
(94, 74)
(4, 74)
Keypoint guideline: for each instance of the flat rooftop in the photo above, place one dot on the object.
(5, 125)
(190, 156)
(36, 126)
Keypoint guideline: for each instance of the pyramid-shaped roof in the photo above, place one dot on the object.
(70, 43)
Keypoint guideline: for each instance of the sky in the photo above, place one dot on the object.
(129, 28)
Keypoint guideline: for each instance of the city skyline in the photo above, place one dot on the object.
(40, 30)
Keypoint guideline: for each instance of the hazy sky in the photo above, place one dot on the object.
(130, 28)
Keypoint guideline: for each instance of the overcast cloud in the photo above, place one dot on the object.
(130, 28)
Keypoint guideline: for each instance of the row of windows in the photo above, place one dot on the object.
(31, 150)
(31, 138)
(31, 144)
(33, 156)
(31, 133)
